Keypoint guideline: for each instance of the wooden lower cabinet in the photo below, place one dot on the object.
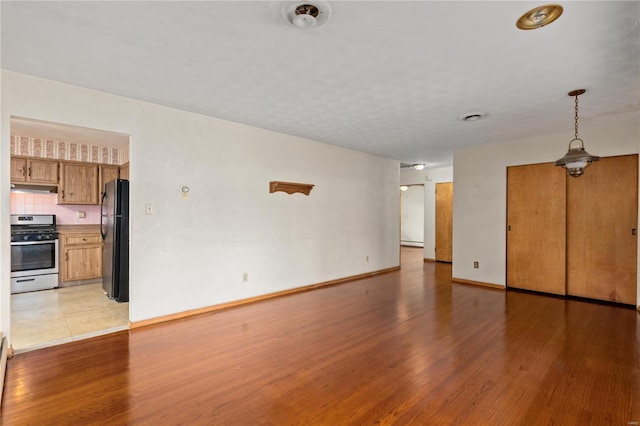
(81, 256)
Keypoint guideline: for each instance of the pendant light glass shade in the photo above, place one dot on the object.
(576, 159)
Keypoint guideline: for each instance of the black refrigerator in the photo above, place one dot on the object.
(114, 226)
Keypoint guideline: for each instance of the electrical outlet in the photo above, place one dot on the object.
(148, 208)
(82, 214)
(245, 277)
(476, 264)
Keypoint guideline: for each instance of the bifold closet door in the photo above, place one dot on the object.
(444, 222)
(536, 228)
(602, 220)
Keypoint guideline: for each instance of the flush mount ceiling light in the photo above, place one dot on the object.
(472, 116)
(418, 166)
(404, 188)
(576, 159)
(539, 17)
(306, 14)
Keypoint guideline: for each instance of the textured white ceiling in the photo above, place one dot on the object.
(385, 77)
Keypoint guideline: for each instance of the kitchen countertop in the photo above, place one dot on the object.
(67, 229)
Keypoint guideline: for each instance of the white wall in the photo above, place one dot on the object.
(480, 175)
(412, 219)
(428, 177)
(192, 252)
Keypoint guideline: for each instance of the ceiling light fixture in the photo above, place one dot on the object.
(417, 166)
(404, 188)
(539, 17)
(576, 159)
(306, 14)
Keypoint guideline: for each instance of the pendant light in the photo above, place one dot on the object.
(576, 159)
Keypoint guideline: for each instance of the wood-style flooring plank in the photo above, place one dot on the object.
(408, 347)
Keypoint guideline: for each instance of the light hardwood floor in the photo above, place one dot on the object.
(407, 347)
(51, 317)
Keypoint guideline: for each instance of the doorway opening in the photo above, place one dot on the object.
(78, 307)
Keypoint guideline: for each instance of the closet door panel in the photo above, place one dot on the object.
(601, 245)
(536, 226)
(444, 222)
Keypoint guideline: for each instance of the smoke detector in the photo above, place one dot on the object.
(306, 14)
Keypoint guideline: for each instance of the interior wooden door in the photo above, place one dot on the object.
(602, 219)
(536, 226)
(444, 222)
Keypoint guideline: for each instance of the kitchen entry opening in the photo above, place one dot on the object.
(61, 171)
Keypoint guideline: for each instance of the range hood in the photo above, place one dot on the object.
(33, 189)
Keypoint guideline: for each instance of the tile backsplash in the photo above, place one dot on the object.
(28, 203)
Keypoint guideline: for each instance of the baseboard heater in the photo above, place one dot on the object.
(3, 363)
(412, 243)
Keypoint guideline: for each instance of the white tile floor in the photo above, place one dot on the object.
(50, 317)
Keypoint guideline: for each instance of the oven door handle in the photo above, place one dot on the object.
(30, 243)
(25, 280)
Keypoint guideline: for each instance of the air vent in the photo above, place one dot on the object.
(472, 116)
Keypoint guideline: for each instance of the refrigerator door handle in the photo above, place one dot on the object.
(103, 230)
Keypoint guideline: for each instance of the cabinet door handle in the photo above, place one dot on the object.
(63, 194)
(24, 171)
(66, 257)
(29, 171)
(634, 231)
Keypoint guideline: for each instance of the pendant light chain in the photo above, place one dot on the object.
(576, 116)
(576, 159)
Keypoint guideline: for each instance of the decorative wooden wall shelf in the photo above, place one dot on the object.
(290, 187)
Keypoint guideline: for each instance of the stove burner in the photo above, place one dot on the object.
(32, 236)
(32, 231)
(26, 228)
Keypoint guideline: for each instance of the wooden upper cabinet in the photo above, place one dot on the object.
(42, 171)
(78, 183)
(124, 171)
(18, 169)
(38, 171)
(107, 174)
